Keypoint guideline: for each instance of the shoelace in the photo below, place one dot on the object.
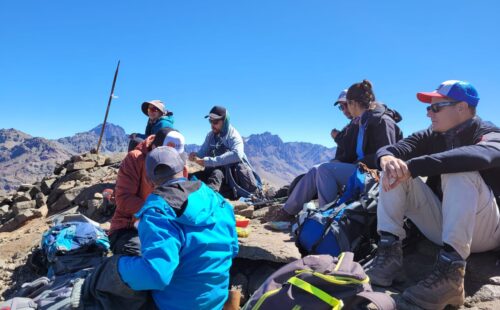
(438, 274)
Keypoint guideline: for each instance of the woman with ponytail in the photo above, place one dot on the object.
(376, 128)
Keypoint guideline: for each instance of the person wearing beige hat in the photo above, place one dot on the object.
(158, 117)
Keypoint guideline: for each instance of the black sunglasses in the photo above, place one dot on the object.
(341, 106)
(437, 107)
(214, 121)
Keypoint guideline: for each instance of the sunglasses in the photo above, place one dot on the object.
(214, 121)
(153, 109)
(342, 106)
(437, 107)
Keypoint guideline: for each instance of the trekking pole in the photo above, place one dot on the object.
(107, 109)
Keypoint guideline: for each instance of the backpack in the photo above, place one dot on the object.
(347, 224)
(72, 244)
(318, 282)
(243, 181)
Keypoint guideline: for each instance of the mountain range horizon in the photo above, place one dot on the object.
(27, 159)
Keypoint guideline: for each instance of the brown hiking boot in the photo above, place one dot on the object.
(387, 265)
(279, 214)
(444, 286)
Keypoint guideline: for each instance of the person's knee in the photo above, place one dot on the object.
(461, 178)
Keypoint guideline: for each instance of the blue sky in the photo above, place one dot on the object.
(276, 65)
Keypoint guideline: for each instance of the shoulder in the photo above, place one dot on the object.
(154, 206)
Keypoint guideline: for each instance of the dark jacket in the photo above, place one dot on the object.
(471, 146)
(380, 130)
(346, 140)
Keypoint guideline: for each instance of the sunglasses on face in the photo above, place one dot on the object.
(437, 107)
(214, 121)
(153, 109)
(341, 106)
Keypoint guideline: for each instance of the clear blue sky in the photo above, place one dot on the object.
(276, 65)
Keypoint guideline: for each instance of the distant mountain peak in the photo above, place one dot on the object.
(264, 139)
(109, 131)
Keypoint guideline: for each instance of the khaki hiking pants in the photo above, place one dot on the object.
(467, 219)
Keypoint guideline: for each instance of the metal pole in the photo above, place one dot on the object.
(107, 109)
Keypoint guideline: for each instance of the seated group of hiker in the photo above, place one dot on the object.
(186, 231)
(173, 236)
(457, 206)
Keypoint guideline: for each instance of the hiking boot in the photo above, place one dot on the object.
(279, 215)
(444, 286)
(387, 265)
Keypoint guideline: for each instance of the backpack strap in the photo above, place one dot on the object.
(381, 300)
(333, 302)
(328, 225)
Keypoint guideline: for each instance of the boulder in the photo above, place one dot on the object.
(22, 196)
(115, 158)
(25, 187)
(20, 207)
(41, 200)
(248, 212)
(66, 198)
(60, 169)
(80, 165)
(47, 185)
(19, 220)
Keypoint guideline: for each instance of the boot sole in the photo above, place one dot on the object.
(454, 302)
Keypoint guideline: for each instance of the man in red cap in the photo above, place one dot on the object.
(457, 207)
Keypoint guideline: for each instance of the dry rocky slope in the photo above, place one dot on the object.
(77, 184)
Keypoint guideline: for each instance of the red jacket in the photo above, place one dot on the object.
(132, 186)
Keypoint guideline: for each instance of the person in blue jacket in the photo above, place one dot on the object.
(188, 239)
(158, 117)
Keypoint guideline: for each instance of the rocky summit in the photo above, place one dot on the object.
(76, 186)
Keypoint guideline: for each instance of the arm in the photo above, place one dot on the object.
(413, 146)
(128, 184)
(483, 155)
(233, 155)
(381, 134)
(203, 151)
(161, 242)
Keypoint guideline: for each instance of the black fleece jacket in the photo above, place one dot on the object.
(380, 130)
(471, 146)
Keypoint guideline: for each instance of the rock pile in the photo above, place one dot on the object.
(79, 181)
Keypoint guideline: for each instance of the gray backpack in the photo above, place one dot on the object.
(319, 282)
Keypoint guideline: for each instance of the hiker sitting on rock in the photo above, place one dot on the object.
(158, 118)
(132, 188)
(376, 127)
(347, 136)
(222, 154)
(456, 208)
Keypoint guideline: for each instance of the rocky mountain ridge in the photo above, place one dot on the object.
(27, 159)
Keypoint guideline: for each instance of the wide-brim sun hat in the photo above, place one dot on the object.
(156, 103)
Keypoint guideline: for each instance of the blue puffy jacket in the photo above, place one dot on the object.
(188, 239)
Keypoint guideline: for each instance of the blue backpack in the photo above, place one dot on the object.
(347, 224)
(73, 244)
